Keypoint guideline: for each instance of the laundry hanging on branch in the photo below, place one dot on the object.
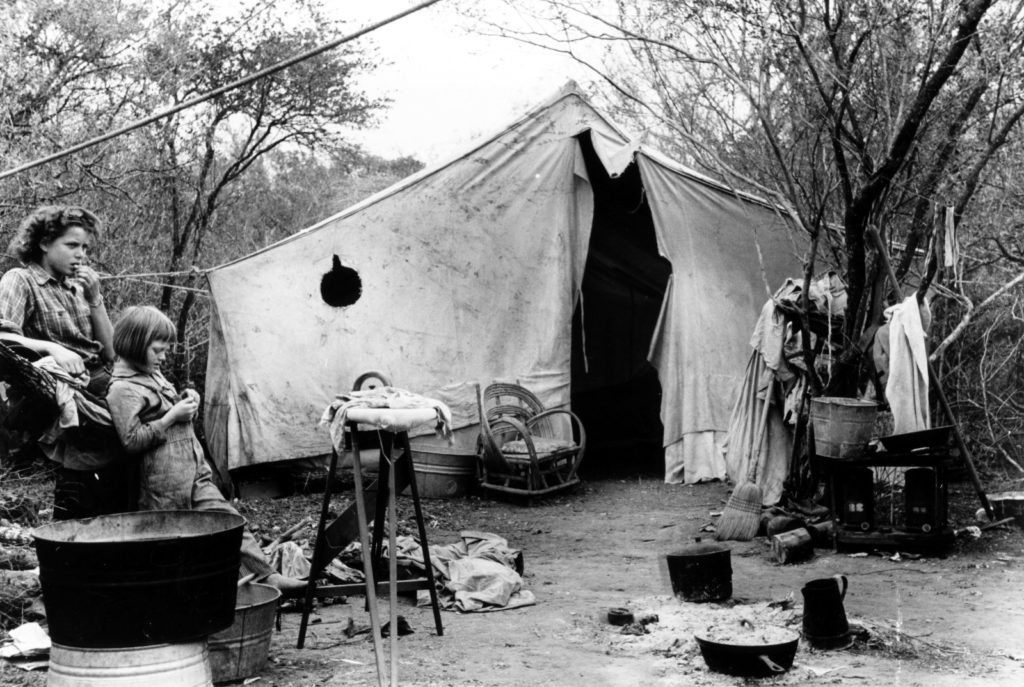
(776, 373)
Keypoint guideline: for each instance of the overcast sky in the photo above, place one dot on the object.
(449, 86)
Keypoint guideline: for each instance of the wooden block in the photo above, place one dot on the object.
(783, 523)
(793, 546)
(821, 533)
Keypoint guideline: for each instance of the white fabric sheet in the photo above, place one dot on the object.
(906, 387)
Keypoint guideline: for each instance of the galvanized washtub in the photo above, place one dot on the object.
(135, 579)
(162, 665)
(242, 650)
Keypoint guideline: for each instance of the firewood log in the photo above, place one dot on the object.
(793, 546)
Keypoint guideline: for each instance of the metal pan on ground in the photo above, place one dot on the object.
(746, 650)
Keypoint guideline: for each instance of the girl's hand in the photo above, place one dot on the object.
(190, 394)
(89, 280)
(182, 411)
(68, 359)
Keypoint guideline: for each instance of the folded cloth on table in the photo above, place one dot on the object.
(383, 397)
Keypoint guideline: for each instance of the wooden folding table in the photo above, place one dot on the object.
(395, 472)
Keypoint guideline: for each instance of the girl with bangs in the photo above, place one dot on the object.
(154, 422)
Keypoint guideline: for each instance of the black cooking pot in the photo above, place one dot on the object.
(134, 579)
(749, 660)
(701, 572)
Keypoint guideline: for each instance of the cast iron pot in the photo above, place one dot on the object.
(749, 660)
(701, 572)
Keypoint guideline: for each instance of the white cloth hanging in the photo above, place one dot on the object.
(906, 387)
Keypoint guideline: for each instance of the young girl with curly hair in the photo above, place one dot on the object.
(53, 306)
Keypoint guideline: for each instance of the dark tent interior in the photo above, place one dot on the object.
(615, 391)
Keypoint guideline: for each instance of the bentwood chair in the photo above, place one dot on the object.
(525, 449)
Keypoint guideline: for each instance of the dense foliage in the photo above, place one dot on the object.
(207, 184)
(203, 186)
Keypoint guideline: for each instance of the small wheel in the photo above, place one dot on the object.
(371, 380)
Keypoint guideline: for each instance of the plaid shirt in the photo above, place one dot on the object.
(34, 304)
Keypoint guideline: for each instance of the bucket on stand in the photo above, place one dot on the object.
(241, 650)
(161, 665)
(841, 424)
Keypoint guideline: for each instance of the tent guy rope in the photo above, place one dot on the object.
(263, 73)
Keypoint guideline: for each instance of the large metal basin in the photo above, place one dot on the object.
(242, 650)
(135, 579)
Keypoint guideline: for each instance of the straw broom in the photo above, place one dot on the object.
(742, 515)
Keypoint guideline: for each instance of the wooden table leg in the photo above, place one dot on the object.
(385, 445)
(834, 504)
(318, 547)
(393, 571)
(364, 543)
(422, 530)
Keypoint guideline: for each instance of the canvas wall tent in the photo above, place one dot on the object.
(473, 270)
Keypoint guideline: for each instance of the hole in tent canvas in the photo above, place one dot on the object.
(341, 286)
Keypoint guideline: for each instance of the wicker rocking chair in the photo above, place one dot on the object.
(520, 449)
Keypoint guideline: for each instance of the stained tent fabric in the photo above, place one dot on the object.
(724, 251)
(470, 272)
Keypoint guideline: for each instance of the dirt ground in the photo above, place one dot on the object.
(956, 620)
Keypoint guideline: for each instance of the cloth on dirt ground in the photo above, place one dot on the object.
(383, 397)
(478, 573)
(341, 573)
(288, 559)
(480, 585)
(906, 387)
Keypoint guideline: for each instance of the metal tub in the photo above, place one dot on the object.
(135, 579)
